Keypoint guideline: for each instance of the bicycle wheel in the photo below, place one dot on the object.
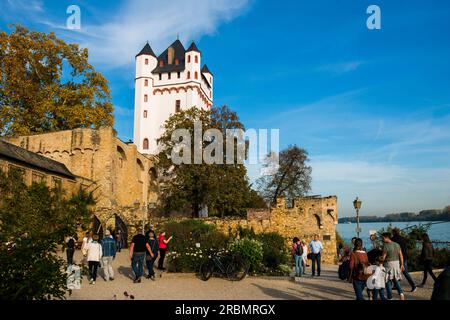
(237, 269)
(206, 270)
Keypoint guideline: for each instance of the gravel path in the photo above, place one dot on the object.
(186, 286)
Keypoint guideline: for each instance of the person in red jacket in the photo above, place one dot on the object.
(162, 249)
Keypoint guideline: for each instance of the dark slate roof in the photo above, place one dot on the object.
(193, 47)
(206, 70)
(26, 157)
(179, 52)
(146, 50)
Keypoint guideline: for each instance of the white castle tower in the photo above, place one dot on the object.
(166, 84)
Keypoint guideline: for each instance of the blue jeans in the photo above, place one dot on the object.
(389, 286)
(359, 286)
(378, 292)
(315, 258)
(407, 275)
(137, 264)
(298, 265)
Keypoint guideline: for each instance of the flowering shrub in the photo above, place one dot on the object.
(250, 249)
(184, 255)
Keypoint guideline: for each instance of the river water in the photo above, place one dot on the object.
(437, 232)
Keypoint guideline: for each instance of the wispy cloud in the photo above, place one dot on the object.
(340, 68)
(115, 37)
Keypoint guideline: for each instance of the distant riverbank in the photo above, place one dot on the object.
(437, 232)
(422, 216)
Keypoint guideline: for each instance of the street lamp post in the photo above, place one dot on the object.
(357, 206)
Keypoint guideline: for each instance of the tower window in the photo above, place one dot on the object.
(160, 76)
(145, 98)
(177, 61)
(145, 113)
(161, 63)
(170, 55)
(196, 75)
(146, 82)
(177, 105)
(196, 59)
(169, 75)
(146, 61)
(189, 59)
(188, 74)
(178, 74)
(145, 144)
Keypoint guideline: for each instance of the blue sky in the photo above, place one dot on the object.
(372, 107)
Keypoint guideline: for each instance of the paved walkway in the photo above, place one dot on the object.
(187, 286)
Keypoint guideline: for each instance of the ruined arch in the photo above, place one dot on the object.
(318, 220)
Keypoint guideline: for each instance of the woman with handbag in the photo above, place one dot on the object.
(359, 274)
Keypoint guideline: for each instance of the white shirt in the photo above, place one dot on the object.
(305, 251)
(378, 279)
(94, 251)
(316, 246)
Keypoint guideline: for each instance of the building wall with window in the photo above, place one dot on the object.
(123, 178)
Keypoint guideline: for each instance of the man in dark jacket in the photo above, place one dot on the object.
(402, 242)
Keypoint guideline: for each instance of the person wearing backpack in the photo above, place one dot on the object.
(358, 274)
(297, 252)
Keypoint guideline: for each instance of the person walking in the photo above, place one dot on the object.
(396, 237)
(304, 256)
(358, 269)
(427, 256)
(94, 254)
(392, 255)
(119, 240)
(87, 239)
(316, 249)
(109, 253)
(138, 248)
(70, 250)
(377, 281)
(297, 253)
(151, 256)
(162, 249)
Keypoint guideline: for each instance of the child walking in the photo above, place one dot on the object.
(377, 281)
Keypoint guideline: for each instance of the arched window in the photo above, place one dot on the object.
(196, 75)
(146, 82)
(145, 98)
(145, 144)
(121, 156)
(161, 63)
(146, 61)
(177, 61)
(196, 59)
(188, 74)
(145, 113)
(189, 59)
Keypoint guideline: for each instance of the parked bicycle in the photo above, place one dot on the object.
(235, 267)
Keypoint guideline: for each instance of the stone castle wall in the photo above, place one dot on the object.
(122, 178)
(308, 216)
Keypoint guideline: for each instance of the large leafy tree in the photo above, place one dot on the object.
(33, 221)
(47, 84)
(223, 188)
(291, 178)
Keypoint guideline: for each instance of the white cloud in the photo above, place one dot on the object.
(340, 68)
(115, 42)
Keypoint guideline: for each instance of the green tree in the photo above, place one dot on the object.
(33, 221)
(223, 188)
(48, 85)
(291, 179)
